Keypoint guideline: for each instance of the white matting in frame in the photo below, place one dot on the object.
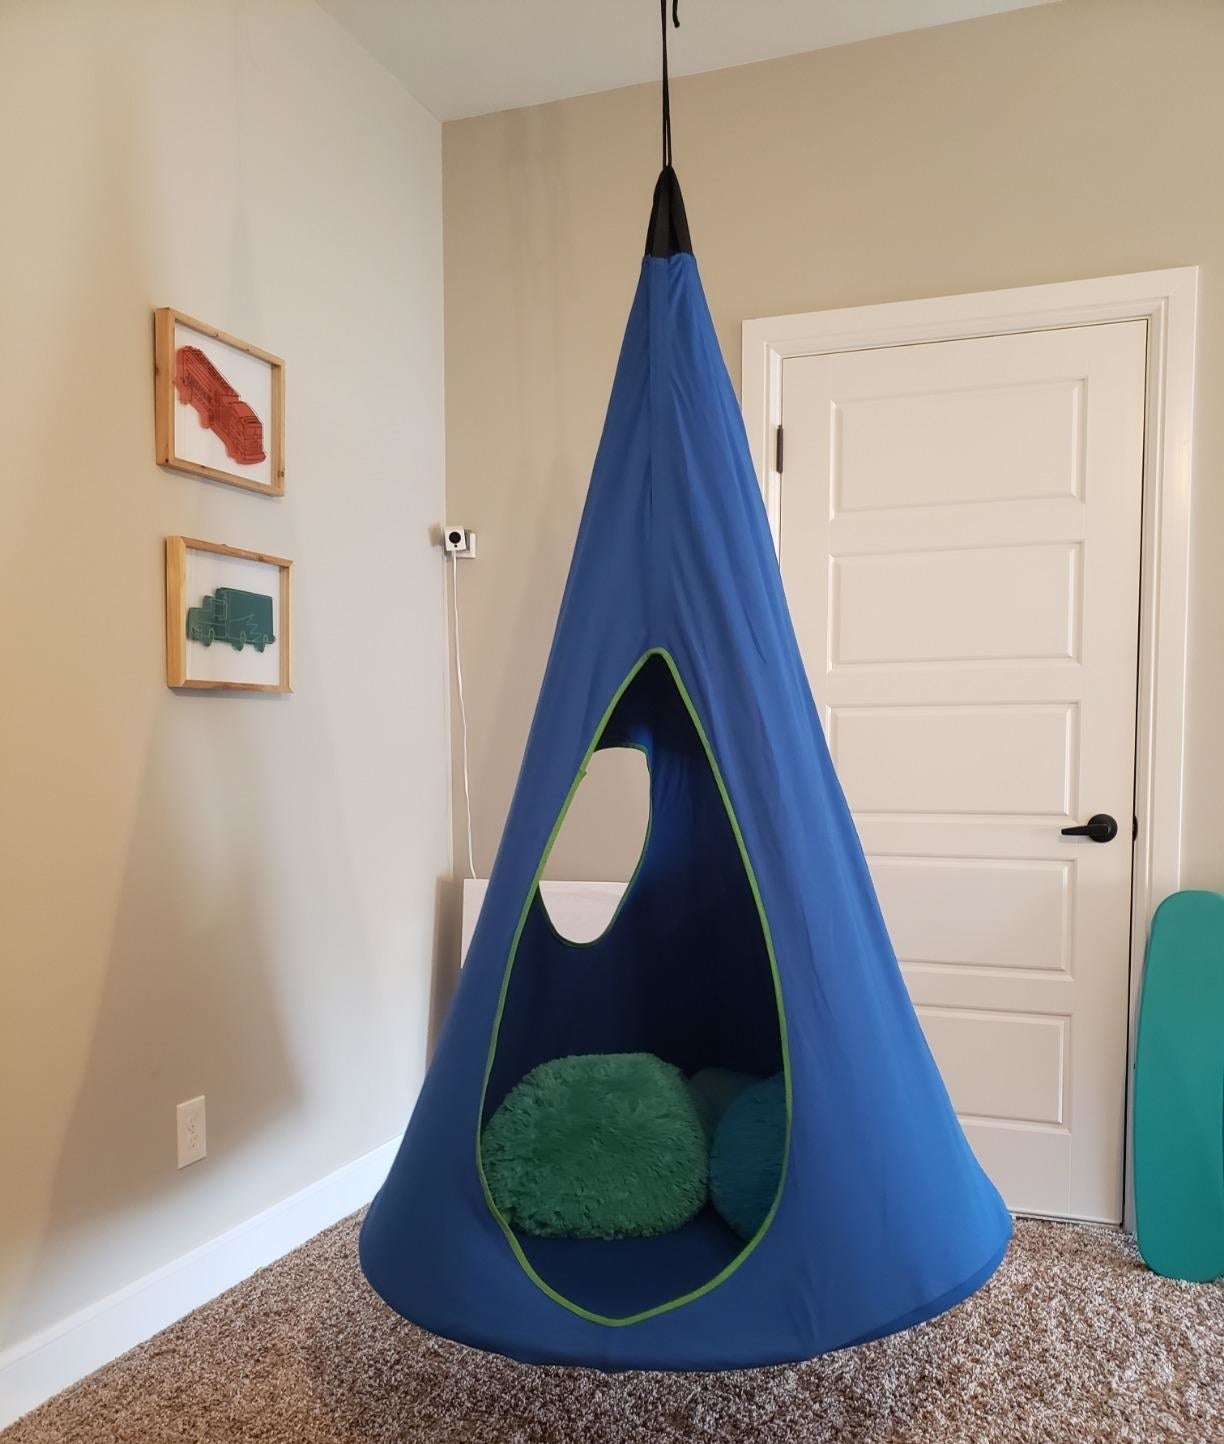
(229, 618)
(219, 405)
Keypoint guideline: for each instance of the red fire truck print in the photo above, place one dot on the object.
(218, 405)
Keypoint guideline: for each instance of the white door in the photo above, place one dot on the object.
(959, 539)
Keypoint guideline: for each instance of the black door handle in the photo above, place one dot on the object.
(1101, 828)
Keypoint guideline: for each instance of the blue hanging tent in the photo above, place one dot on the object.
(749, 938)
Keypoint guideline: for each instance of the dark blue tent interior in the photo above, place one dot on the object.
(683, 971)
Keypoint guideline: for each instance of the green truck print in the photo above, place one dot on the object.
(234, 617)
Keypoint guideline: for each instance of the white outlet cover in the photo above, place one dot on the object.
(192, 1137)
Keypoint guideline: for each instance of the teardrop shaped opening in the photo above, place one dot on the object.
(684, 974)
(603, 836)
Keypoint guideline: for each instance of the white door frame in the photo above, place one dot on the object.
(1168, 302)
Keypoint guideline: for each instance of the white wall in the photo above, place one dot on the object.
(228, 895)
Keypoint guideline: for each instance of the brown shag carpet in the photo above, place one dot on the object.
(1073, 1339)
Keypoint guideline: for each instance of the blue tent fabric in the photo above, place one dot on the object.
(749, 938)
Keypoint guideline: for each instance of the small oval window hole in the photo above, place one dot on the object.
(600, 842)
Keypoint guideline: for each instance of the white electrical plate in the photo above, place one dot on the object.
(192, 1139)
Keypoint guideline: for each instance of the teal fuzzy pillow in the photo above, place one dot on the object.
(606, 1145)
(747, 1154)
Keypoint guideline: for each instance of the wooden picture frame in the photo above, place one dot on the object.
(196, 367)
(215, 627)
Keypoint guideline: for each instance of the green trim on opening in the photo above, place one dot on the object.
(511, 1237)
(633, 876)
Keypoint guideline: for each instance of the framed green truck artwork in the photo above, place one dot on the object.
(229, 618)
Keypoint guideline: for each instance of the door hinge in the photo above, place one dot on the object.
(778, 452)
(1134, 829)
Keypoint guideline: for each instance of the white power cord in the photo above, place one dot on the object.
(467, 787)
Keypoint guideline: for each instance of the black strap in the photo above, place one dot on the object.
(668, 232)
(667, 146)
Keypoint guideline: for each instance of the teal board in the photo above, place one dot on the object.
(1179, 1091)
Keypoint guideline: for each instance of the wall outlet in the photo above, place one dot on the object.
(192, 1142)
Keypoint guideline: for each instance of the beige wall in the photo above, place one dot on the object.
(1072, 140)
(235, 895)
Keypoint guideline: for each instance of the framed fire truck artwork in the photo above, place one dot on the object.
(229, 618)
(219, 405)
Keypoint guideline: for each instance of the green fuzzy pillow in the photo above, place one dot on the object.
(605, 1145)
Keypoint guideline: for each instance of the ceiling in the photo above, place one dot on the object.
(470, 57)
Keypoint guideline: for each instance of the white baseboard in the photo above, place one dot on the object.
(38, 1367)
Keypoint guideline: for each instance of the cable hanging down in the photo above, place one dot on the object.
(467, 786)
